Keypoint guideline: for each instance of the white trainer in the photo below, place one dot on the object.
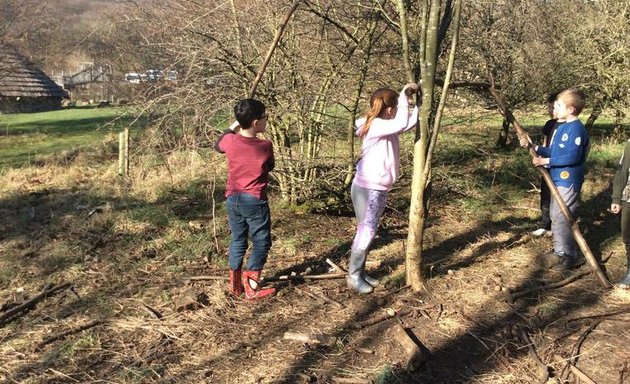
(540, 232)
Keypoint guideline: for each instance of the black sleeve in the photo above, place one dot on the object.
(546, 130)
(216, 145)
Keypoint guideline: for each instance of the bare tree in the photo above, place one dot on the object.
(325, 50)
(432, 22)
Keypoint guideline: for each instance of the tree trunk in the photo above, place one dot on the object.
(425, 144)
(504, 136)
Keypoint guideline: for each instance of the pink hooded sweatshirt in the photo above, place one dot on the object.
(379, 165)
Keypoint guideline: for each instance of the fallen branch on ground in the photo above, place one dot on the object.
(544, 369)
(202, 278)
(558, 284)
(622, 371)
(335, 266)
(350, 380)
(575, 351)
(388, 315)
(322, 297)
(69, 332)
(310, 338)
(47, 292)
(606, 314)
(576, 371)
(304, 277)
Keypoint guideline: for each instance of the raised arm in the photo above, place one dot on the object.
(229, 131)
(402, 121)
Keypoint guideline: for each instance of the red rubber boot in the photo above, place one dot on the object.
(252, 291)
(236, 283)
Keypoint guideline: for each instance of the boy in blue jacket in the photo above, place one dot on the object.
(565, 158)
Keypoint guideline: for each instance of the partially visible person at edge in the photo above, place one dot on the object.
(621, 203)
(376, 173)
(565, 158)
(544, 225)
(250, 160)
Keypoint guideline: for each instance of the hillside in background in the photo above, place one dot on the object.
(59, 35)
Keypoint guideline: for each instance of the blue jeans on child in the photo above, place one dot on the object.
(248, 216)
(563, 240)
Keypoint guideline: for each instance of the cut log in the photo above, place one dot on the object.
(310, 338)
(188, 300)
(415, 352)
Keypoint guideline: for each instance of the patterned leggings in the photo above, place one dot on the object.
(369, 205)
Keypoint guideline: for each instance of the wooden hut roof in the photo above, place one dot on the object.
(20, 78)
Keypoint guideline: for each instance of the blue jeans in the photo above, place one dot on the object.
(563, 240)
(248, 216)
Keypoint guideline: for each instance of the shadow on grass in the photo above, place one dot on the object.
(464, 358)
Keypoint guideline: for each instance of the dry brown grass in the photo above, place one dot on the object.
(133, 256)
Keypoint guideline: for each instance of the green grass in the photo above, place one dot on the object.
(28, 137)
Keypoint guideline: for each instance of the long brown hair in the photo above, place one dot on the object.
(381, 98)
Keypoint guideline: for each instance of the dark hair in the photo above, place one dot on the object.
(551, 98)
(575, 98)
(381, 99)
(248, 110)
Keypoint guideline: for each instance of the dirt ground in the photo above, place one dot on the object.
(117, 320)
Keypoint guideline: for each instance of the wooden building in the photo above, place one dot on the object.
(25, 88)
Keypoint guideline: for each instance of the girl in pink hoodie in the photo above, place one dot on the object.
(376, 173)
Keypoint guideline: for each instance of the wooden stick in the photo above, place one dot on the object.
(388, 315)
(335, 266)
(557, 284)
(575, 230)
(69, 332)
(307, 277)
(544, 369)
(581, 375)
(4, 318)
(272, 48)
(378, 319)
(575, 370)
(607, 314)
(202, 278)
(350, 380)
(622, 371)
(575, 351)
(152, 311)
(321, 296)
(310, 338)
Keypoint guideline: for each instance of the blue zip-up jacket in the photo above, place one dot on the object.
(567, 154)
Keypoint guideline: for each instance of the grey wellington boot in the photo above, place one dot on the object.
(355, 271)
(370, 280)
(625, 282)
